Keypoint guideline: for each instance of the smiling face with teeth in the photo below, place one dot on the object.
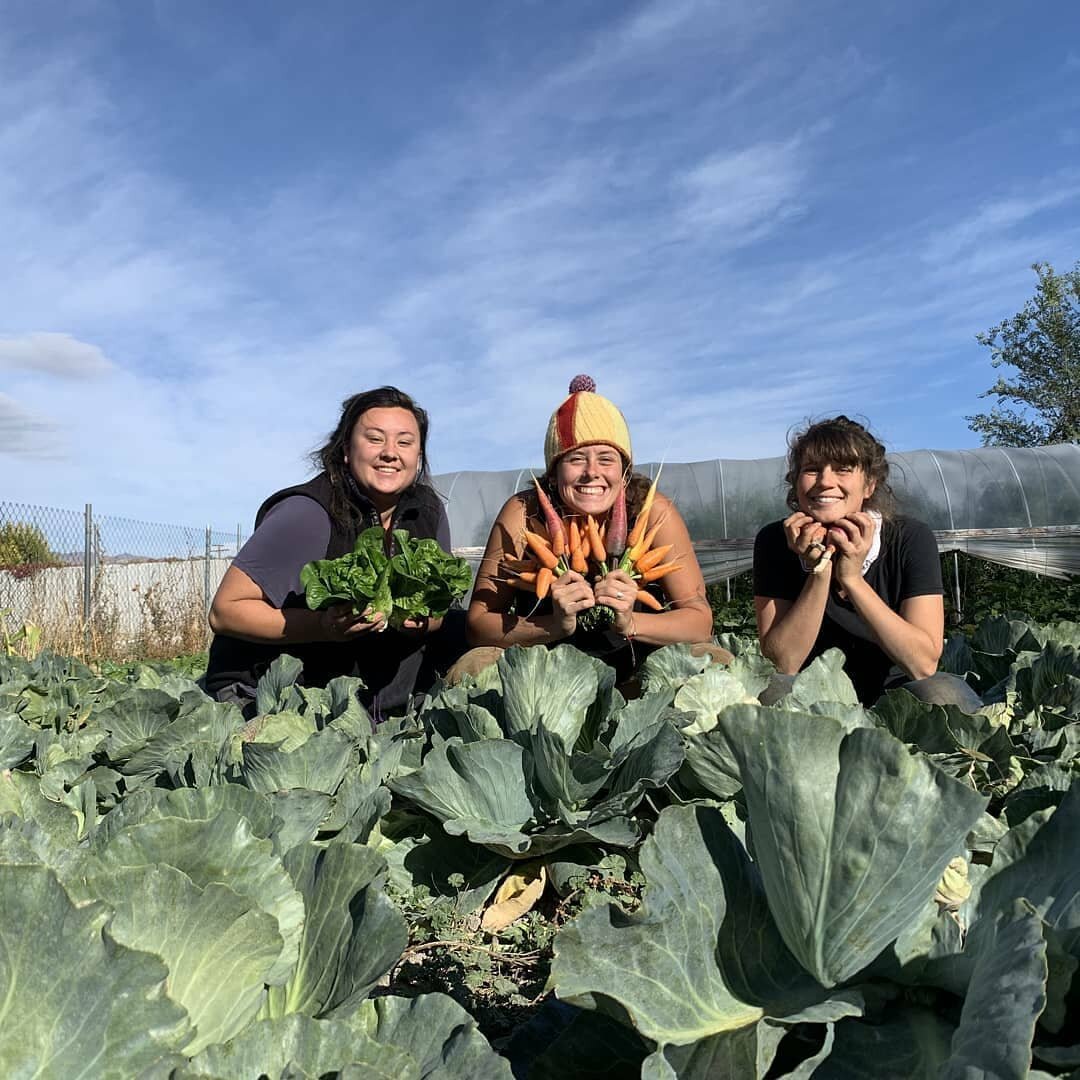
(589, 477)
(829, 492)
(384, 454)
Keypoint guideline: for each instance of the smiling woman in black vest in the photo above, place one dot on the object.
(373, 473)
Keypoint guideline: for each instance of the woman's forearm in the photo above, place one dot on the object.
(690, 623)
(909, 646)
(255, 620)
(504, 629)
(792, 635)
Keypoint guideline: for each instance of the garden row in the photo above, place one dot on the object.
(687, 885)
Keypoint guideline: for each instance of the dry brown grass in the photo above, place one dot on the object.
(174, 623)
(127, 622)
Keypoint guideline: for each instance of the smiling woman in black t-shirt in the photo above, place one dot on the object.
(843, 572)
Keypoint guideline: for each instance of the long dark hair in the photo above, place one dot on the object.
(330, 458)
(840, 441)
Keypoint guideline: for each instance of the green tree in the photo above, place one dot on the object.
(23, 544)
(1042, 342)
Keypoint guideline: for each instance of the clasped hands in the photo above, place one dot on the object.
(849, 540)
(572, 594)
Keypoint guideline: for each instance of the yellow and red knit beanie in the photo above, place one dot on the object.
(585, 418)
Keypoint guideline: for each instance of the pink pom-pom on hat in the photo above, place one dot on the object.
(583, 419)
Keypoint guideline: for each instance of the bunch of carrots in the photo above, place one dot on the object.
(593, 549)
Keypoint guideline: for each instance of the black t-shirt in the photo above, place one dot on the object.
(907, 566)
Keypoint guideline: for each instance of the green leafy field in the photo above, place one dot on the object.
(715, 888)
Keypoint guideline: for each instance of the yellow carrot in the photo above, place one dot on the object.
(646, 542)
(634, 544)
(657, 572)
(643, 515)
(652, 557)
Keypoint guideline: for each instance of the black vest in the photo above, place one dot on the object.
(387, 662)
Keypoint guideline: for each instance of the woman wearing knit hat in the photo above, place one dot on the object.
(588, 460)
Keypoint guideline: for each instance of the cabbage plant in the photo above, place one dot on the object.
(541, 752)
(835, 918)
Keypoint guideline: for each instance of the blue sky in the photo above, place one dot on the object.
(219, 220)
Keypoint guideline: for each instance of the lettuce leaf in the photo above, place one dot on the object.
(419, 579)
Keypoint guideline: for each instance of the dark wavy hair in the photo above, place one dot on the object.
(330, 458)
(840, 441)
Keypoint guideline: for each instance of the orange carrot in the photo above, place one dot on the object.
(592, 535)
(527, 576)
(652, 557)
(544, 577)
(634, 545)
(646, 599)
(573, 536)
(539, 547)
(578, 561)
(657, 572)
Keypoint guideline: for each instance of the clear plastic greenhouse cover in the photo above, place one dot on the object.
(1018, 507)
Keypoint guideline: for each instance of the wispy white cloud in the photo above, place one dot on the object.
(24, 435)
(648, 34)
(55, 354)
(745, 194)
(998, 215)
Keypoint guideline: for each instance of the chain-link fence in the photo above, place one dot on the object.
(111, 587)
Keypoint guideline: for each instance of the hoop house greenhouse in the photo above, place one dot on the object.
(1017, 507)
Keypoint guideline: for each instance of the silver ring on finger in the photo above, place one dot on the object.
(618, 594)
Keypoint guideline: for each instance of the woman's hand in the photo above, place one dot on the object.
(340, 622)
(851, 538)
(570, 594)
(618, 591)
(805, 536)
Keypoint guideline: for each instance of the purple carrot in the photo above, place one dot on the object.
(555, 528)
(615, 537)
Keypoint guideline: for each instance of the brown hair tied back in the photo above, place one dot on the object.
(840, 441)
